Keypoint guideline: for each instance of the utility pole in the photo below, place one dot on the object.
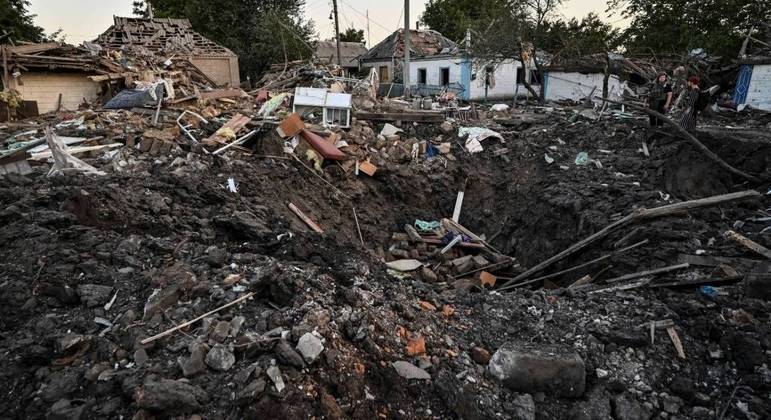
(407, 39)
(369, 42)
(337, 34)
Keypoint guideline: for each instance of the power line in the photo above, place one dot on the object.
(365, 16)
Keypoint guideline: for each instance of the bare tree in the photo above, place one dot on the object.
(517, 33)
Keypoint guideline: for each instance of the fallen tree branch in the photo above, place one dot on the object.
(193, 321)
(690, 137)
(637, 216)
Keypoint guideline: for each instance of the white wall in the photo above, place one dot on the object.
(505, 82)
(759, 92)
(577, 86)
(377, 65)
(433, 70)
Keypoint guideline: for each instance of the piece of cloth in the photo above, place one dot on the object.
(424, 226)
(475, 137)
(688, 119)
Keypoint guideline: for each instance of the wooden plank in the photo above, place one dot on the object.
(748, 243)
(676, 341)
(75, 150)
(435, 241)
(423, 117)
(222, 93)
(33, 48)
(112, 76)
(638, 216)
(648, 273)
(316, 228)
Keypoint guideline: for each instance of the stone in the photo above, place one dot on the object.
(409, 371)
(160, 300)
(758, 287)
(447, 128)
(539, 370)
(274, 373)
(195, 363)
(329, 406)
(236, 324)
(522, 407)
(94, 294)
(601, 373)
(221, 331)
(61, 384)
(287, 355)
(626, 406)
(141, 357)
(170, 396)
(672, 404)
(67, 410)
(251, 392)
(220, 358)
(310, 347)
(428, 275)
(480, 355)
(702, 413)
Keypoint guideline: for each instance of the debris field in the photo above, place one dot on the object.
(228, 255)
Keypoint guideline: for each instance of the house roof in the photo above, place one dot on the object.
(326, 52)
(160, 35)
(423, 43)
(56, 56)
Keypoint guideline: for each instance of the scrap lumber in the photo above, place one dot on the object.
(33, 48)
(417, 116)
(222, 93)
(578, 267)
(191, 322)
(75, 150)
(648, 273)
(637, 216)
(690, 137)
(748, 243)
(450, 224)
(434, 241)
(676, 341)
(311, 224)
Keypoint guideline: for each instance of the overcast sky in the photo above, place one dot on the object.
(85, 19)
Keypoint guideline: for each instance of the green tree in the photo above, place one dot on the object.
(678, 26)
(261, 32)
(352, 35)
(17, 24)
(452, 18)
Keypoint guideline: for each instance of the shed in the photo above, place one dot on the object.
(166, 36)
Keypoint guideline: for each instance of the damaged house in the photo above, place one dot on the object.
(753, 85)
(51, 76)
(173, 37)
(326, 53)
(578, 78)
(437, 63)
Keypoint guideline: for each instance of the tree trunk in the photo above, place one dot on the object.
(525, 80)
(539, 69)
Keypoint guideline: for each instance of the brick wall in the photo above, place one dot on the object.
(46, 87)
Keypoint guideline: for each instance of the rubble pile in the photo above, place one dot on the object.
(224, 254)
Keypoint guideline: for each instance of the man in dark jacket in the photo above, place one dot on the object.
(660, 98)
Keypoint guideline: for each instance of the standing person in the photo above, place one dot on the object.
(660, 98)
(688, 119)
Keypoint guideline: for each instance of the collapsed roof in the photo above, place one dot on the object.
(756, 48)
(423, 43)
(160, 35)
(326, 52)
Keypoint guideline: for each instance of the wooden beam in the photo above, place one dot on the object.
(638, 216)
(33, 48)
(316, 228)
(748, 243)
(422, 117)
(648, 273)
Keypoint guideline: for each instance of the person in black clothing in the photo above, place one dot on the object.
(690, 105)
(660, 98)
